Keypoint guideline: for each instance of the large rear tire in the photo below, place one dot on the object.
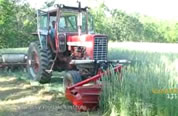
(39, 61)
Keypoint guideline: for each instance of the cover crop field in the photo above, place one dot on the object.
(149, 85)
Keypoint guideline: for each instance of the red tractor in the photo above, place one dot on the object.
(67, 43)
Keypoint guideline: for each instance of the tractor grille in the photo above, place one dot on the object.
(100, 48)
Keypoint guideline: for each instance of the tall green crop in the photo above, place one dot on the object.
(149, 85)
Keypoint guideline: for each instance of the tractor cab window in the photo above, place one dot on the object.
(62, 23)
(42, 20)
(87, 22)
(68, 23)
(52, 18)
(72, 23)
(90, 23)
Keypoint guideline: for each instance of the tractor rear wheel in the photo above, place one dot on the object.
(71, 78)
(39, 61)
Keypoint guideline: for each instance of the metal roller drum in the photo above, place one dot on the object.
(13, 58)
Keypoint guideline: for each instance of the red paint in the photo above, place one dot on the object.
(36, 62)
(87, 97)
(56, 38)
(83, 38)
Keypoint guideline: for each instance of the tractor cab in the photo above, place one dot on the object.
(60, 21)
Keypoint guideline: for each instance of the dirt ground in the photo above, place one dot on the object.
(19, 97)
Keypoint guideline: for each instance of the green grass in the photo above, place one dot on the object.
(14, 50)
(3, 113)
(133, 96)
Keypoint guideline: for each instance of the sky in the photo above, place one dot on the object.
(162, 9)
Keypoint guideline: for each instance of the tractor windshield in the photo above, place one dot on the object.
(68, 22)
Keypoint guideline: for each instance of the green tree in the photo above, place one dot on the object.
(49, 3)
(126, 27)
(120, 26)
(117, 24)
(17, 22)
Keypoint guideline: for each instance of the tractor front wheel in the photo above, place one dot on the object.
(39, 61)
(71, 78)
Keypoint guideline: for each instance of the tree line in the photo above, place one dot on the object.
(18, 22)
(121, 26)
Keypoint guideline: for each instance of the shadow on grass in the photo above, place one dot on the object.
(56, 80)
(20, 98)
(43, 108)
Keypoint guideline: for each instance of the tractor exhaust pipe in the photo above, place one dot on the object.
(79, 23)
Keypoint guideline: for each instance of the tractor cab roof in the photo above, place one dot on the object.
(52, 10)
